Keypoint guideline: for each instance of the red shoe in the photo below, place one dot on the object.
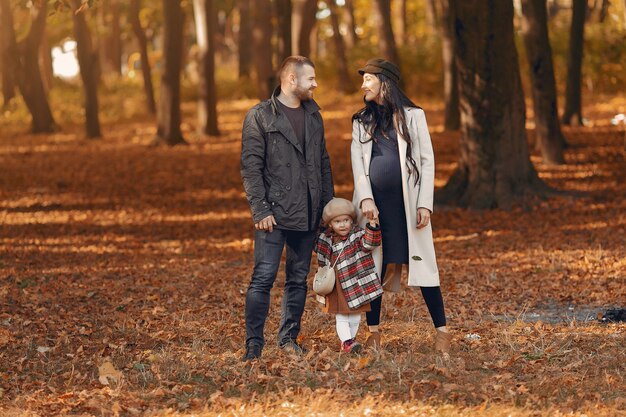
(350, 346)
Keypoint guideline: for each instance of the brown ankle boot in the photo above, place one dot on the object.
(442, 342)
(373, 340)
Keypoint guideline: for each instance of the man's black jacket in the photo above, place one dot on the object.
(274, 169)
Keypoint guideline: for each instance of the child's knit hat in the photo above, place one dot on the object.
(336, 207)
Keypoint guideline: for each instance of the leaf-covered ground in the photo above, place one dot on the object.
(123, 271)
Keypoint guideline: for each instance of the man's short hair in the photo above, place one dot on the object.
(296, 61)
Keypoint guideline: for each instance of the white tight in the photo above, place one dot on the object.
(347, 325)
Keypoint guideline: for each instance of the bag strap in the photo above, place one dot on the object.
(340, 252)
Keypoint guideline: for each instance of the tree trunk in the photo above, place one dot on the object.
(452, 118)
(7, 52)
(168, 117)
(549, 139)
(115, 55)
(88, 62)
(553, 8)
(352, 38)
(109, 37)
(604, 10)
(432, 15)
(45, 63)
(494, 167)
(206, 21)
(245, 39)
(303, 21)
(283, 16)
(143, 50)
(262, 37)
(28, 72)
(400, 22)
(573, 108)
(387, 42)
(345, 84)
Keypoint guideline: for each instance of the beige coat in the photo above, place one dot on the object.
(422, 273)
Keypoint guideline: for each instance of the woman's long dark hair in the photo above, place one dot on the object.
(377, 118)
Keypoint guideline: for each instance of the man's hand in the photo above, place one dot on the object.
(369, 209)
(423, 217)
(266, 224)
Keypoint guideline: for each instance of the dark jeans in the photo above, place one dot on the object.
(268, 249)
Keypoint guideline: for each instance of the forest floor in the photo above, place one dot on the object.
(124, 267)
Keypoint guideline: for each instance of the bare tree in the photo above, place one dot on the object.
(303, 22)
(494, 168)
(345, 84)
(245, 38)
(206, 21)
(452, 118)
(168, 116)
(352, 38)
(401, 22)
(45, 63)
(7, 51)
(283, 17)
(387, 42)
(262, 37)
(549, 139)
(573, 107)
(146, 70)
(25, 69)
(110, 40)
(88, 62)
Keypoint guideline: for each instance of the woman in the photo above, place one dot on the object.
(394, 171)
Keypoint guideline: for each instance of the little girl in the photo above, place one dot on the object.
(348, 247)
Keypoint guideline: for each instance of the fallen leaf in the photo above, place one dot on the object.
(108, 373)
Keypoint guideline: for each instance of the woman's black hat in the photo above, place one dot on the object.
(381, 66)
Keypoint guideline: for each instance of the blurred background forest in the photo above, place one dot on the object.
(229, 49)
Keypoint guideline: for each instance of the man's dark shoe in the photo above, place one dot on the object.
(252, 352)
(291, 347)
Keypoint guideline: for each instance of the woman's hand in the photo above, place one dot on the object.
(423, 217)
(369, 209)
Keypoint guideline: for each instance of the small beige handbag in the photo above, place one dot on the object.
(324, 280)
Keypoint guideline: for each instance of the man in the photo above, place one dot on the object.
(287, 178)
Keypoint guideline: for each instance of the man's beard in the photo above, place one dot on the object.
(303, 94)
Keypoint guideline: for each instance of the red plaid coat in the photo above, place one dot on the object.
(355, 268)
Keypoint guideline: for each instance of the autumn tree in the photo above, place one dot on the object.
(262, 41)
(7, 45)
(244, 43)
(142, 40)
(572, 114)
(88, 62)
(345, 84)
(387, 41)
(303, 22)
(494, 167)
(445, 25)
(283, 17)
(205, 14)
(352, 38)
(168, 115)
(549, 139)
(23, 64)
(401, 18)
(110, 39)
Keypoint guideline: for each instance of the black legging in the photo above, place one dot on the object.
(432, 297)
